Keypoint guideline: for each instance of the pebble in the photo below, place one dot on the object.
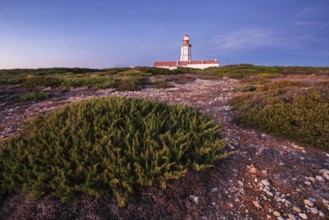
(325, 176)
(251, 169)
(240, 182)
(303, 215)
(291, 217)
(276, 213)
(265, 182)
(268, 192)
(257, 204)
(213, 203)
(321, 214)
(194, 199)
(287, 204)
(213, 190)
(280, 218)
(324, 171)
(314, 210)
(307, 183)
(320, 178)
(312, 179)
(308, 202)
(312, 199)
(296, 209)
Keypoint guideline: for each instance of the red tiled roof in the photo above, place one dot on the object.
(184, 63)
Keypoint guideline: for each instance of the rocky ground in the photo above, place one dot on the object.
(266, 177)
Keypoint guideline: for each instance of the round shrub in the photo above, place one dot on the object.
(105, 145)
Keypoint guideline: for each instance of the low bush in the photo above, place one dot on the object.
(113, 145)
(41, 81)
(34, 96)
(287, 109)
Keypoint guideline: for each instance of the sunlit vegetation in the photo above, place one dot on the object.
(295, 110)
(107, 145)
(31, 96)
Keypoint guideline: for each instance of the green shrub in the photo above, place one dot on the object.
(286, 110)
(113, 145)
(41, 81)
(34, 96)
(247, 88)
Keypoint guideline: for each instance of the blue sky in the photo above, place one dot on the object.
(106, 33)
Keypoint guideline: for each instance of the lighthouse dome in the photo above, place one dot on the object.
(186, 37)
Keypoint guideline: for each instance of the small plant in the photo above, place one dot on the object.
(249, 88)
(287, 109)
(41, 81)
(107, 145)
(34, 96)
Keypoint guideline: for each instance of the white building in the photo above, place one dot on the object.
(186, 59)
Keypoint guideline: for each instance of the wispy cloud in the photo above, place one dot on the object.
(245, 39)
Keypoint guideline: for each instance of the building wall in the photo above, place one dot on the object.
(202, 66)
(185, 52)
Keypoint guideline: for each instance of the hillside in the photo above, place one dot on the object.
(268, 176)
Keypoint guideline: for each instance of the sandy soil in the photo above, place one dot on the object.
(266, 177)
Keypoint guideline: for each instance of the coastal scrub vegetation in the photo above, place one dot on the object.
(107, 145)
(295, 110)
(34, 96)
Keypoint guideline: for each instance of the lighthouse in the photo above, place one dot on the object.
(186, 49)
(186, 59)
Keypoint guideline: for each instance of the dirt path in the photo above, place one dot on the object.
(266, 178)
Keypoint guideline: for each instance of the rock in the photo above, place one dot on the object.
(296, 209)
(320, 179)
(213, 190)
(321, 214)
(257, 204)
(291, 217)
(307, 183)
(240, 182)
(264, 172)
(276, 213)
(280, 218)
(314, 210)
(251, 169)
(287, 204)
(265, 182)
(326, 176)
(194, 199)
(213, 203)
(303, 215)
(308, 203)
(324, 171)
(312, 179)
(312, 199)
(268, 192)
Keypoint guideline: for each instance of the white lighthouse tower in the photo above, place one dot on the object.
(186, 49)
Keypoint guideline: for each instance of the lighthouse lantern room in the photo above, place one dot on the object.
(186, 49)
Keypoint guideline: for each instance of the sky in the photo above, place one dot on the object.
(116, 33)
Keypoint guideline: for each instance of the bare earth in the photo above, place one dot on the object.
(266, 177)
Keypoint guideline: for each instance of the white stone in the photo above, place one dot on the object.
(308, 203)
(314, 210)
(296, 209)
(265, 182)
(287, 204)
(291, 217)
(307, 183)
(320, 178)
(213, 190)
(312, 179)
(325, 176)
(321, 214)
(276, 213)
(257, 204)
(280, 218)
(194, 199)
(303, 215)
(240, 182)
(324, 171)
(268, 192)
(312, 199)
